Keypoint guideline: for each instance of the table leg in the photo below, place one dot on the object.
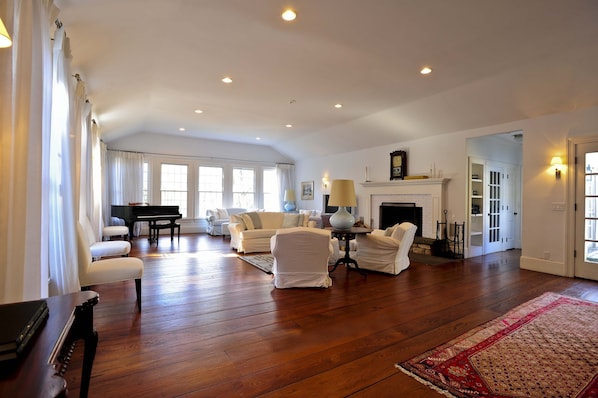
(347, 258)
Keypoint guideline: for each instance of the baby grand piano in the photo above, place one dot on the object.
(134, 213)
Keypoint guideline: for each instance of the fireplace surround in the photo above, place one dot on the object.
(428, 193)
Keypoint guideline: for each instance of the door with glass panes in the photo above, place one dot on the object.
(586, 215)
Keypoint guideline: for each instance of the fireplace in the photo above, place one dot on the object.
(392, 213)
(428, 193)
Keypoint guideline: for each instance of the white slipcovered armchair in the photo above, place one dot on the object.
(301, 257)
(386, 250)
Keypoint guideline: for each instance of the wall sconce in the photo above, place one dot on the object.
(5, 40)
(557, 163)
(325, 182)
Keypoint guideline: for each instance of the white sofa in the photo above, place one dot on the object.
(251, 232)
(217, 217)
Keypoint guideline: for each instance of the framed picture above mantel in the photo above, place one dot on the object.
(398, 165)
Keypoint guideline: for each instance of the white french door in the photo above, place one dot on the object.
(586, 215)
(494, 241)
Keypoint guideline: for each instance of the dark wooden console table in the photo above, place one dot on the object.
(40, 372)
(346, 235)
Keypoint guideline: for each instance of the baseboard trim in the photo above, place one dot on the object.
(540, 265)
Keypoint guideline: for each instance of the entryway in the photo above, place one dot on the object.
(586, 207)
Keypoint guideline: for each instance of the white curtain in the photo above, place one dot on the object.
(62, 251)
(286, 179)
(25, 103)
(125, 176)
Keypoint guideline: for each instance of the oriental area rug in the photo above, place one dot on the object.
(263, 262)
(547, 347)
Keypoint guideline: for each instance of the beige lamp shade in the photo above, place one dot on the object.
(289, 195)
(5, 40)
(342, 193)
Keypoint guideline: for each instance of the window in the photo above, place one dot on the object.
(145, 182)
(270, 188)
(244, 188)
(211, 187)
(173, 186)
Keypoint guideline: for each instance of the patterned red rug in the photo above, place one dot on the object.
(547, 347)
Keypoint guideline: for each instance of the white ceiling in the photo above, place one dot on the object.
(148, 64)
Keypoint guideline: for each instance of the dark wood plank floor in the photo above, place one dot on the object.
(214, 326)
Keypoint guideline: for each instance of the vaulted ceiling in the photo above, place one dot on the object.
(149, 64)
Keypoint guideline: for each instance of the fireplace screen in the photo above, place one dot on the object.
(392, 213)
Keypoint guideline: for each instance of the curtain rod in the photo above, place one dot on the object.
(197, 157)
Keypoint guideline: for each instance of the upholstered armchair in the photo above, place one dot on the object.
(109, 270)
(301, 257)
(107, 248)
(386, 250)
(110, 231)
(217, 217)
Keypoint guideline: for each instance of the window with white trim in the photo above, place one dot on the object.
(211, 188)
(173, 186)
(244, 188)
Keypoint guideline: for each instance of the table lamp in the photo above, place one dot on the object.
(289, 199)
(342, 194)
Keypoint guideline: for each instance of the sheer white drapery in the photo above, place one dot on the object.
(66, 115)
(286, 179)
(125, 176)
(25, 95)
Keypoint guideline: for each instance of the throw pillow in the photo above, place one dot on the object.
(222, 214)
(237, 218)
(290, 220)
(247, 221)
(390, 230)
(255, 219)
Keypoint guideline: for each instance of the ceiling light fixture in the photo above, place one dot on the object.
(198, 111)
(338, 106)
(258, 138)
(5, 40)
(181, 129)
(425, 70)
(288, 125)
(289, 15)
(227, 80)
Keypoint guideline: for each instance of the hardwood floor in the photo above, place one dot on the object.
(214, 326)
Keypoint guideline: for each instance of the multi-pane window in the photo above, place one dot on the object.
(244, 188)
(145, 182)
(210, 188)
(270, 188)
(173, 186)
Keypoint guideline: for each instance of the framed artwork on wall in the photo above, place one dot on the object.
(307, 190)
(398, 165)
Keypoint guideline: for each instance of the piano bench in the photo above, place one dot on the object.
(154, 230)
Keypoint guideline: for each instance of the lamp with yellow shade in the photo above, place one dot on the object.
(289, 200)
(5, 40)
(342, 194)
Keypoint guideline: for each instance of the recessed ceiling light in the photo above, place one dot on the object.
(425, 70)
(227, 80)
(289, 15)
(288, 125)
(198, 111)
(258, 138)
(181, 129)
(338, 106)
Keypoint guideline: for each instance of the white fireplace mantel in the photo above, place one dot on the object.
(429, 193)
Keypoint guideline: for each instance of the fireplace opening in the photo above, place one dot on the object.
(392, 213)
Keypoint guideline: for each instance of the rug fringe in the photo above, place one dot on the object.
(425, 382)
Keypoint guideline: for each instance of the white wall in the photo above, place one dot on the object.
(195, 147)
(542, 229)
